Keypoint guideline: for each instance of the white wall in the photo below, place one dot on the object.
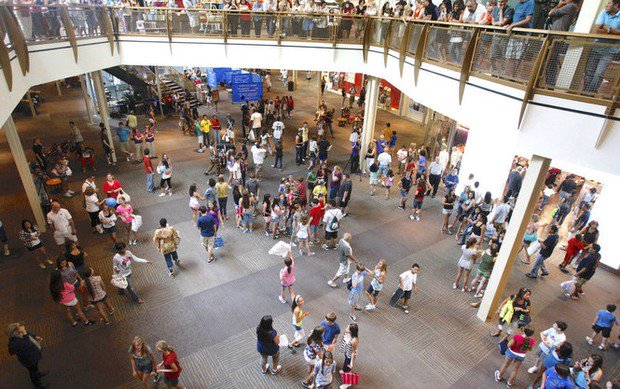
(566, 136)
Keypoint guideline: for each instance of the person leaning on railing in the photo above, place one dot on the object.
(560, 19)
(607, 23)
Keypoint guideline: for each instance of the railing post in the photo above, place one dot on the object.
(69, 30)
(335, 31)
(6, 65)
(386, 44)
(367, 35)
(468, 60)
(109, 29)
(169, 27)
(18, 41)
(279, 28)
(225, 26)
(404, 44)
(419, 52)
(529, 88)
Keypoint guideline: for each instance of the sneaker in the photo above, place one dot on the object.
(266, 369)
(417, 218)
(478, 295)
(532, 370)
(602, 347)
(406, 311)
(370, 307)
(411, 217)
(528, 275)
(346, 280)
(277, 370)
(171, 273)
(311, 253)
(282, 300)
(497, 377)
(156, 378)
(162, 194)
(293, 244)
(454, 286)
(211, 259)
(325, 246)
(544, 274)
(42, 266)
(49, 262)
(306, 384)
(353, 318)
(332, 284)
(266, 233)
(589, 340)
(89, 307)
(358, 308)
(89, 323)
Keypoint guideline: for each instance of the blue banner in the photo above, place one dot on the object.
(241, 78)
(249, 91)
(211, 78)
(219, 74)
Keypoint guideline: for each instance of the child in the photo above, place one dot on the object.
(302, 233)
(389, 181)
(575, 245)
(86, 154)
(605, 320)
(324, 371)
(393, 140)
(332, 330)
(557, 378)
(275, 218)
(287, 278)
(320, 190)
(357, 284)
(418, 199)
(376, 285)
(311, 181)
(97, 294)
(550, 339)
(405, 186)
(316, 215)
(407, 281)
(169, 365)
(374, 177)
(298, 317)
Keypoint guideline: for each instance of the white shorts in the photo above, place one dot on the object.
(71, 303)
(299, 335)
(201, 139)
(61, 237)
(446, 211)
(344, 269)
(509, 327)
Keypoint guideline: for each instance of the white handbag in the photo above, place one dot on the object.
(119, 281)
(136, 223)
(125, 195)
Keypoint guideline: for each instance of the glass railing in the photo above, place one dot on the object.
(579, 66)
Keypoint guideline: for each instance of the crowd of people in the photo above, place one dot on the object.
(308, 210)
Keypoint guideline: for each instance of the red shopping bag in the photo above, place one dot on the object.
(350, 378)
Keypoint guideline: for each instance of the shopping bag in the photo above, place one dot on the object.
(218, 242)
(534, 248)
(283, 340)
(125, 195)
(119, 281)
(281, 248)
(503, 346)
(349, 378)
(568, 287)
(136, 223)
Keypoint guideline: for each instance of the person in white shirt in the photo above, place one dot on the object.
(62, 223)
(407, 282)
(402, 155)
(444, 157)
(89, 182)
(278, 129)
(258, 155)
(474, 12)
(331, 219)
(122, 267)
(501, 212)
(257, 121)
(549, 340)
(435, 170)
(384, 159)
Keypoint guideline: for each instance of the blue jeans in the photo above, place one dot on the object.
(543, 202)
(595, 68)
(132, 292)
(278, 160)
(149, 182)
(222, 201)
(246, 219)
(171, 257)
(216, 137)
(539, 264)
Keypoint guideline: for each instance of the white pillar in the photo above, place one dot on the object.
(103, 108)
(17, 152)
(87, 100)
(608, 224)
(58, 89)
(525, 206)
(33, 110)
(295, 79)
(370, 118)
(158, 83)
(588, 13)
(319, 77)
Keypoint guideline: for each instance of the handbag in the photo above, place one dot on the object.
(136, 223)
(125, 195)
(350, 378)
(218, 242)
(534, 248)
(503, 346)
(568, 287)
(119, 281)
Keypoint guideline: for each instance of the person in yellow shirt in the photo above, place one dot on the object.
(319, 190)
(205, 127)
(387, 131)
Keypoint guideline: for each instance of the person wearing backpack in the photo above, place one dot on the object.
(331, 219)
(167, 239)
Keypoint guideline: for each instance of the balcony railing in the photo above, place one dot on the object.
(584, 67)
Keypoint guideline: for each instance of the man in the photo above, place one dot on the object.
(354, 160)
(561, 16)
(522, 18)
(132, 120)
(515, 179)
(324, 147)
(430, 10)
(148, 169)
(586, 269)
(278, 129)
(345, 258)
(27, 347)
(407, 282)
(435, 171)
(302, 189)
(205, 128)
(305, 137)
(381, 144)
(451, 180)
(607, 23)
(501, 213)
(123, 138)
(346, 8)
(567, 187)
(62, 224)
(206, 225)
(474, 12)
(258, 155)
(76, 135)
(254, 188)
(331, 219)
(90, 181)
(166, 239)
(344, 193)
(545, 252)
(299, 148)
(257, 120)
(385, 160)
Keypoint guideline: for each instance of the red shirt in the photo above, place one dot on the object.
(169, 360)
(419, 194)
(316, 213)
(301, 188)
(109, 188)
(518, 344)
(574, 246)
(148, 165)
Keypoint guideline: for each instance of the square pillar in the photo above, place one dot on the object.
(87, 99)
(103, 108)
(521, 215)
(370, 118)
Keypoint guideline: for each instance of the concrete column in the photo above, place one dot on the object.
(87, 100)
(58, 88)
(319, 77)
(24, 171)
(33, 110)
(295, 79)
(370, 117)
(158, 83)
(525, 206)
(103, 108)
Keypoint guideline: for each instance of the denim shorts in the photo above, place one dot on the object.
(513, 356)
(383, 169)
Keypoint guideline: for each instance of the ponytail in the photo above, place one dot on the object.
(288, 262)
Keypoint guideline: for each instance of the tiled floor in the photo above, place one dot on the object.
(209, 312)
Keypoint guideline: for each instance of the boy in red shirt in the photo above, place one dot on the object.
(148, 169)
(316, 214)
(573, 248)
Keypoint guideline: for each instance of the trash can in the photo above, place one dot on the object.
(291, 86)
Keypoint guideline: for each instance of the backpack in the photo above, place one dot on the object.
(333, 224)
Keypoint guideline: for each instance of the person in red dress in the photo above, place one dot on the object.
(575, 245)
(111, 186)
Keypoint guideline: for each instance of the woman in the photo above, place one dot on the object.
(138, 139)
(245, 18)
(518, 317)
(267, 212)
(149, 137)
(111, 186)
(486, 205)
(267, 344)
(71, 276)
(237, 195)
(376, 284)
(313, 352)
(516, 350)
(121, 263)
(298, 317)
(166, 239)
(531, 235)
(275, 218)
(467, 208)
(214, 211)
(170, 363)
(448, 206)
(350, 344)
(478, 228)
(39, 153)
(76, 256)
(107, 217)
(221, 189)
(29, 235)
(64, 293)
(105, 144)
(97, 294)
(165, 169)
(194, 200)
(590, 236)
(371, 153)
(93, 206)
(125, 212)
(484, 270)
(468, 258)
(588, 370)
(142, 360)
(246, 205)
(418, 199)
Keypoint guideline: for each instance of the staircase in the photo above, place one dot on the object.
(138, 84)
(171, 86)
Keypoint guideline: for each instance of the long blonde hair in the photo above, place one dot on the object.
(163, 346)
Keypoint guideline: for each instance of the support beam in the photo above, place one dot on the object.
(319, 77)
(33, 110)
(370, 118)
(58, 89)
(526, 203)
(87, 100)
(295, 79)
(159, 96)
(17, 152)
(103, 108)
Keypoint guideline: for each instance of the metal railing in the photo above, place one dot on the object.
(584, 67)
